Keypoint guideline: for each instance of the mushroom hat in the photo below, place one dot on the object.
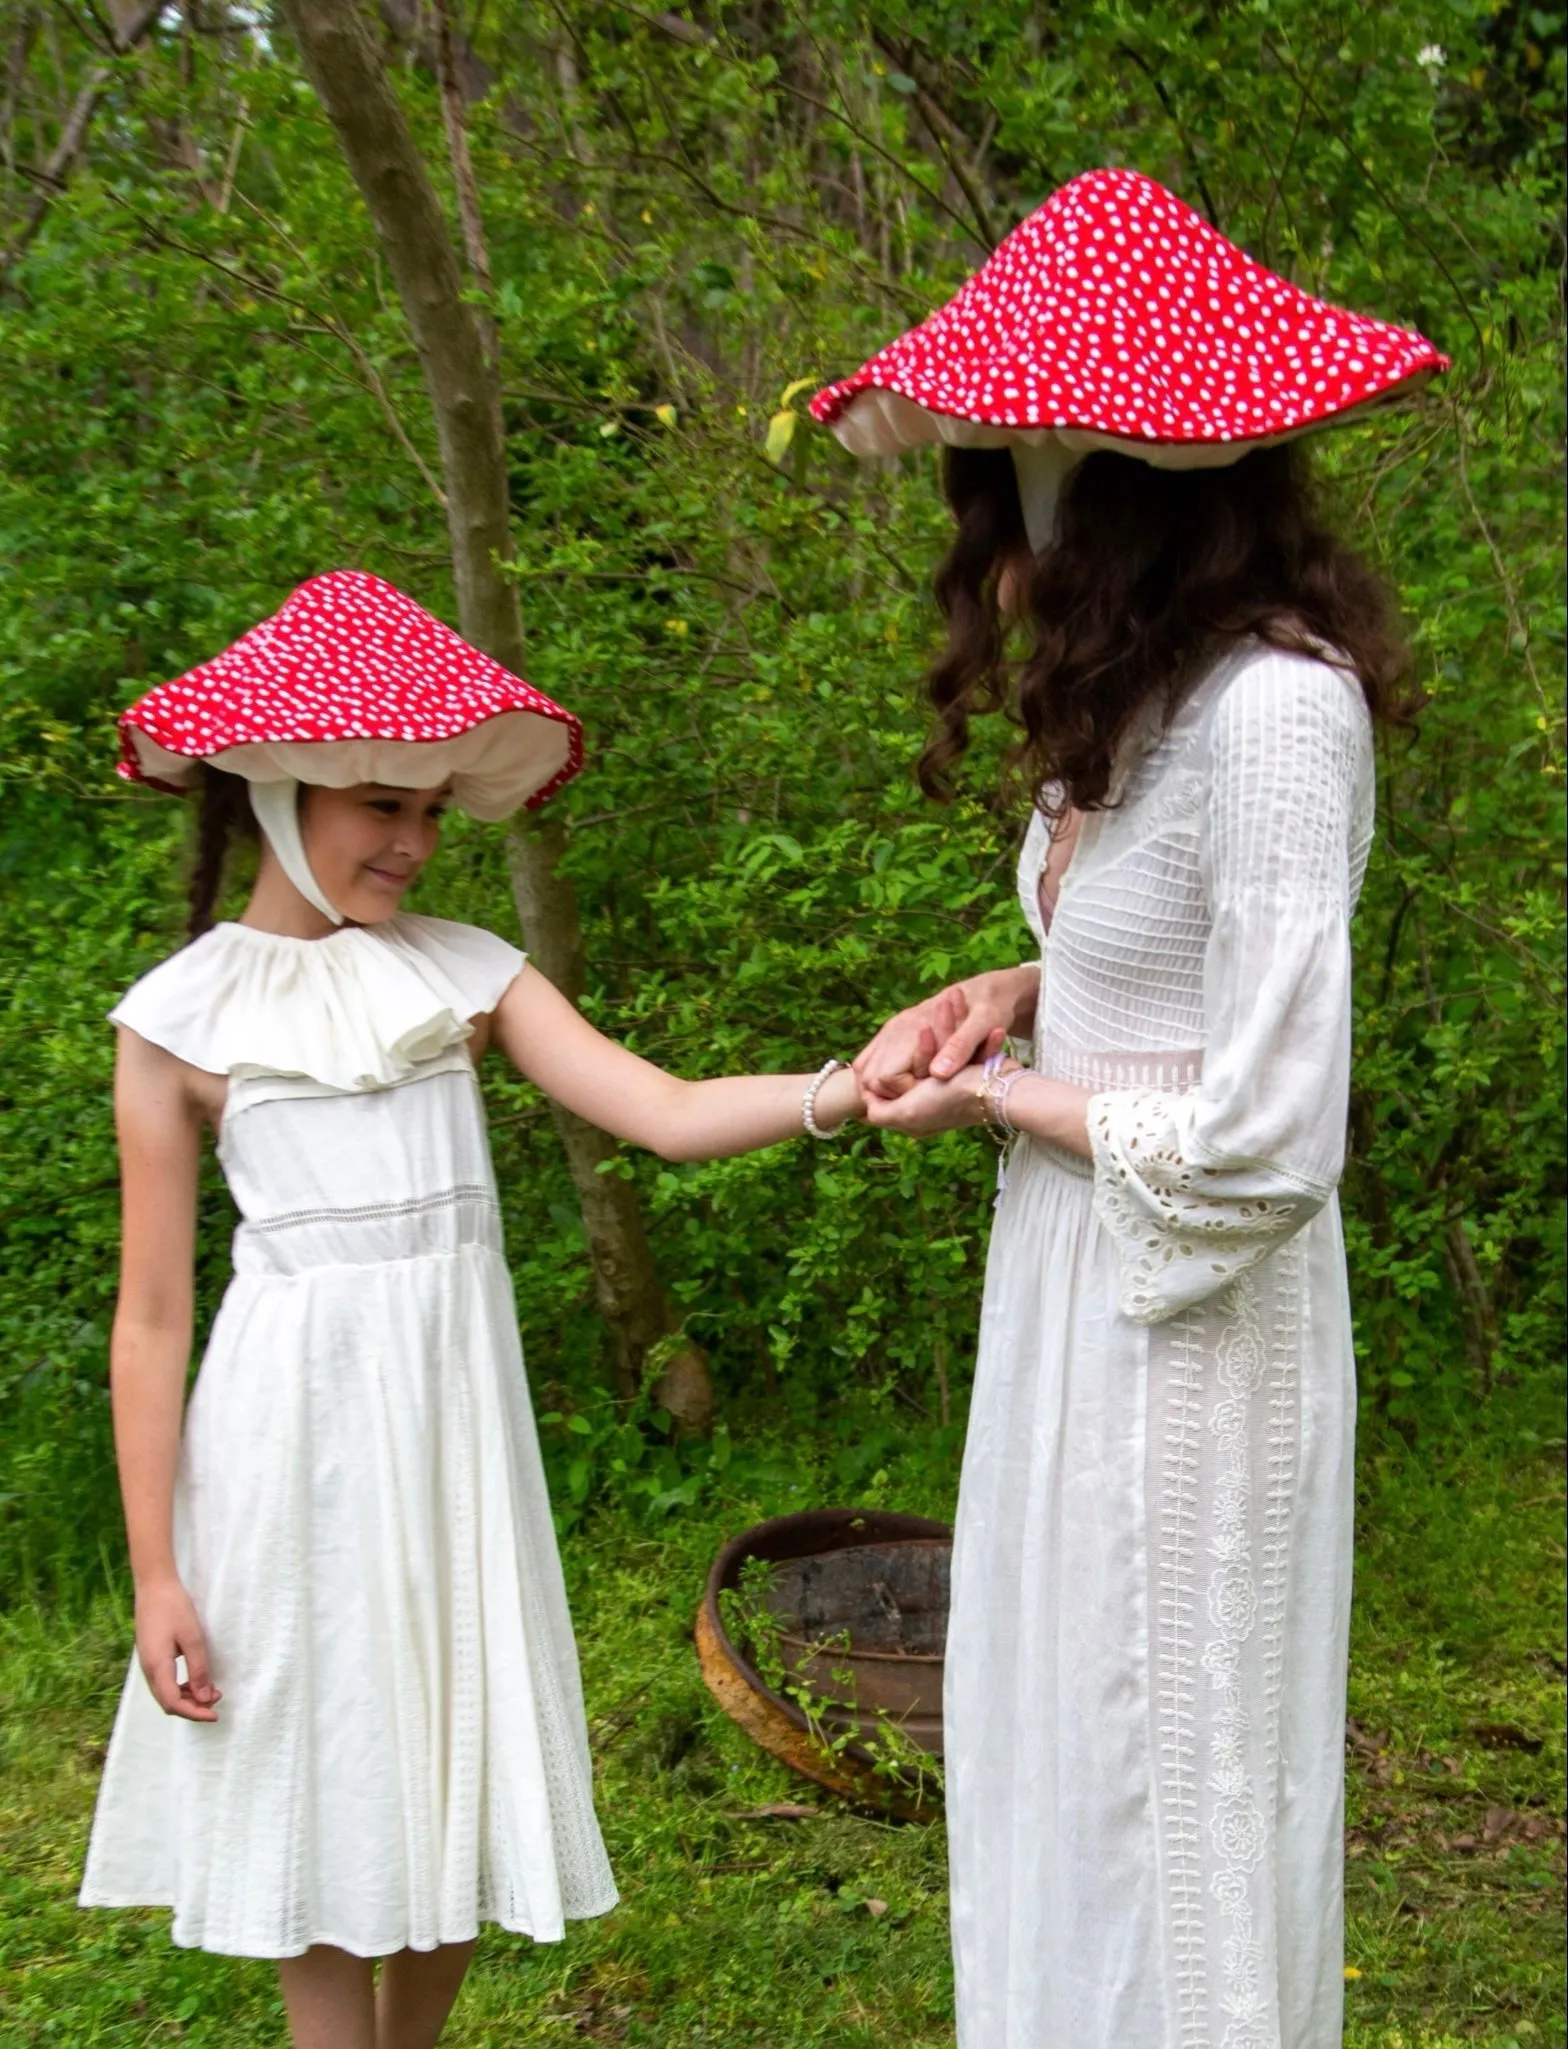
(1116, 318)
(351, 682)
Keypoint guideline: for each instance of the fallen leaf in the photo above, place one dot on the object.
(876, 1909)
(1506, 1736)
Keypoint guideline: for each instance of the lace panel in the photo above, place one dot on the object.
(1224, 1444)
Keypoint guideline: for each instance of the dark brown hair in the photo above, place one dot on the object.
(1151, 574)
(223, 820)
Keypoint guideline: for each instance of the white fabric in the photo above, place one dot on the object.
(1041, 469)
(361, 1514)
(1151, 1579)
(492, 768)
(276, 806)
(360, 1009)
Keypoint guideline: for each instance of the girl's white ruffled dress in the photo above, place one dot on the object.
(361, 1515)
(1151, 1579)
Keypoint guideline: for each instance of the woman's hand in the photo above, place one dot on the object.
(964, 1023)
(930, 1106)
(167, 1628)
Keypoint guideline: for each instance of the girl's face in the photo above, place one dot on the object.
(366, 845)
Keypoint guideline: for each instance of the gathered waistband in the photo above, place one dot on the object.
(1175, 1073)
(369, 1234)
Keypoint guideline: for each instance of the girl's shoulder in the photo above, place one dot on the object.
(358, 1009)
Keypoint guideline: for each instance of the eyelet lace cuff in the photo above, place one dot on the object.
(1184, 1228)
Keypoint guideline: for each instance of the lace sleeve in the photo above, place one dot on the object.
(1197, 1188)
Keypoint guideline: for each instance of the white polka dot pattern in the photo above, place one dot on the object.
(347, 659)
(1117, 310)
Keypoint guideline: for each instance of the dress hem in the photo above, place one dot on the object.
(350, 1948)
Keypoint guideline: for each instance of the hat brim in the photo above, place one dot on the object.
(879, 420)
(515, 760)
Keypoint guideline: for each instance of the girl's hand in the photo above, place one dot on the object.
(966, 1022)
(930, 1106)
(166, 1629)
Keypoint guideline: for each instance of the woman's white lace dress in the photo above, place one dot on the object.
(361, 1515)
(1151, 1591)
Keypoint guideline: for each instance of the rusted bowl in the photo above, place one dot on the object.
(860, 1596)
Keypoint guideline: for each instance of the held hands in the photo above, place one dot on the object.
(940, 1037)
(929, 1105)
(167, 1628)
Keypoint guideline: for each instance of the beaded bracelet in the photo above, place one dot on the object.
(991, 1082)
(808, 1107)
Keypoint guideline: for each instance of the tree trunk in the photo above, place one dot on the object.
(461, 378)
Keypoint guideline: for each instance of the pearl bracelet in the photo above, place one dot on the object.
(808, 1107)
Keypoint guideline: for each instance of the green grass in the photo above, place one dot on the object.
(737, 1933)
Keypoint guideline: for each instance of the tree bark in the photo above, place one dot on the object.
(346, 69)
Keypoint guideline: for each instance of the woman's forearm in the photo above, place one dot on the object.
(1052, 1110)
(147, 1383)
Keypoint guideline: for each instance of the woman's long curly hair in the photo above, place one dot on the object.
(1151, 575)
(224, 820)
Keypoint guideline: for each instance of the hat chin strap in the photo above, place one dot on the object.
(276, 806)
(1041, 469)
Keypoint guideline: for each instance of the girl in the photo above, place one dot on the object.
(1151, 1577)
(356, 1730)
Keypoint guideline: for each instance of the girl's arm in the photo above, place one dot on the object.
(159, 1123)
(948, 1030)
(550, 1042)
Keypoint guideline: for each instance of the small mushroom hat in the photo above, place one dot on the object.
(1115, 317)
(352, 682)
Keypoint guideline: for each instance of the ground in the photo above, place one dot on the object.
(742, 1929)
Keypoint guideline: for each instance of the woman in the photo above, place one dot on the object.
(1151, 1580)
(353, 1728)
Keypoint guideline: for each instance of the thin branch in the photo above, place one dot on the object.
(888, 156)
(1187, 150)
(1385, 197)
(312, 319)
(452, 116)
(55, 174)
(1518, 626)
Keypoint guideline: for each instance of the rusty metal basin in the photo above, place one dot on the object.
(875, 1586)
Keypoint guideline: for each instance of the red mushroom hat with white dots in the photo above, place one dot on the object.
(352, 682)
(1115, 317)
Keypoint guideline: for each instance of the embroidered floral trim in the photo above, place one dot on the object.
(1238, 1829)
(1176, 1718)
(1179, 1237)
(1220, 1540)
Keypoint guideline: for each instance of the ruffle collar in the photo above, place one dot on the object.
(362, 1008)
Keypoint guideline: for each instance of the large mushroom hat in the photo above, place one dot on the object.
(351, 682)
(1116, 318)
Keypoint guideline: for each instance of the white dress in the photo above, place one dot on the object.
(1151, 1579)
(360, 1514)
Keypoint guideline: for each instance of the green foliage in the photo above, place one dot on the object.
(210, 395)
